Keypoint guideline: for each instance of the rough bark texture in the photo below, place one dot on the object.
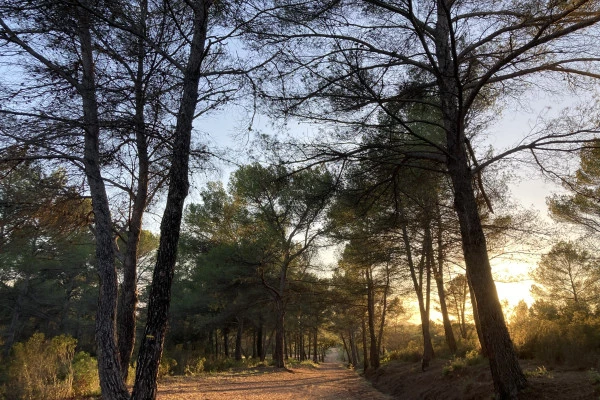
(506, 372)
(128, 299)
(109, 369)
(160, 292)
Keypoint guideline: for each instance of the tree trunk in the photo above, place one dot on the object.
(126, 316)
(373, 354)
(364, 342)
(226, 341)
(109, 370)
(315, 346)
(386, 289)
(484, 350)
(160, 292)
(353, 353)
(238, 339)
(346, 348)
(259, 341)
(506, 372)
(448, 332)
(438, 274)
(418, 286)
(279, 333)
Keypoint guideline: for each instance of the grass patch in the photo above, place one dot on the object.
(302, 364)
(594, 376)
(539, 372)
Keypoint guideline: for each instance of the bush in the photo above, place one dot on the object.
(166, 367)
(195, 367)
(473, 357)
(85, 375)
(570, 338)
(42, 369)
(413, 352)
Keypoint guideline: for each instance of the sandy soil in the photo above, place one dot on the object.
(331, 381)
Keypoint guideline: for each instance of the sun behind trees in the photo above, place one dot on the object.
(104, 95)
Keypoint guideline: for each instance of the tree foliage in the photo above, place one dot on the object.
(568, 276)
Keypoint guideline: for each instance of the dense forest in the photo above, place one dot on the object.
(374, 233)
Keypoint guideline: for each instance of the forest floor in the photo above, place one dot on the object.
(405, 380)
(400, 380)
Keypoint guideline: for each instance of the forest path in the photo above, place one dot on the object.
(331, 381)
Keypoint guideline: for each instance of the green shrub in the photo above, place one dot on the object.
(85, 375)
(412, 352)
(570, 338)
(473, 357)
(166, 367)
(594, 376)
(455, 365)
(195, 367)
(42, 369)
(299, 364)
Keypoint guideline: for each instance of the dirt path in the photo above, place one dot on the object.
(331, 381)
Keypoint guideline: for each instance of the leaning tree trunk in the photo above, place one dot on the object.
(160, 292)
(128, 299)
(506, 372)
(109, 369)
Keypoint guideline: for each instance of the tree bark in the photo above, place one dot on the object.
(126, 316)
(279, 357)
(346, 348)
(238, 339)
(160, 292)
(484, 351)
(373, 353)
(259, 341)
(109, 367)
(364, 342)
(418, 286)
(226, 341)
(315, 346)
(438, 274)
(506, 372)
(353, 353)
